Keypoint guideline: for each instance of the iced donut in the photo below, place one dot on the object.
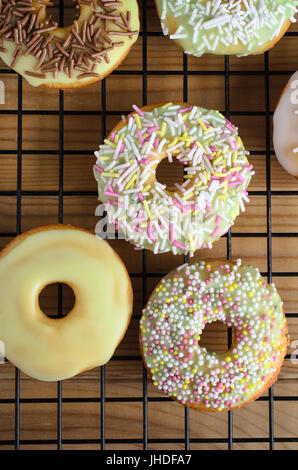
(33, 45)
(54, 349)
(179, 308)
(226, 27)
(285, 120)
(203, 207)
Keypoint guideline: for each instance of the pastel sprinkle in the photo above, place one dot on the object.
(203, 206)
(178, 310)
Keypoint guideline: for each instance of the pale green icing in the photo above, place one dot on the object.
(225, 27)
(203, 207)
(179, 308)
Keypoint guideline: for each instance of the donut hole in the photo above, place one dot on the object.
(70, 12)
(56, 300)
(214, 337)
(169, 173)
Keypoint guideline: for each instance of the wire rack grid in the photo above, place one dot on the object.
(144, 440)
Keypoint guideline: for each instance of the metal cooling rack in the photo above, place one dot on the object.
(60, 193)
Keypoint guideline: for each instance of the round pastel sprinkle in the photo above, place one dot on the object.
(182, 304)
(200, 209)
(226, 27)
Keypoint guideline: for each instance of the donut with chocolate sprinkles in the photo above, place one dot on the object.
(33, 44)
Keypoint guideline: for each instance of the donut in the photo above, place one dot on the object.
(203, 207)
(53, 349)
(32, 44)
(285, 120)
(182, 304)
(226, 27)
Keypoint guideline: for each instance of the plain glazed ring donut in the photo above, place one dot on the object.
(179, 308)
(226, 27)
(74, 56)
(54, 349)
(285, 120)
(203, 207)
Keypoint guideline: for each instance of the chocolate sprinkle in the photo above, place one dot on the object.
(36, 75)
(82, 49)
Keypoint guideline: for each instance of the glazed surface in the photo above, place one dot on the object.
(54, 349)
(225, 27)
(203, 207)
(33, 45)
(285, 120)
(179, 308)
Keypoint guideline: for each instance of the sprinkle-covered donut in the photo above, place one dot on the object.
(203, 207)
(226, 27)
(285, 120)
(179, 308)
(33, 45)
(57, 348)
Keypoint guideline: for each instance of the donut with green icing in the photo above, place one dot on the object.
(197, 211)
(177, 312)
(226, 27)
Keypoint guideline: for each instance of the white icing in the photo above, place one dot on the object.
(285, 120)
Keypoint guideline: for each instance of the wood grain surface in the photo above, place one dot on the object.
(82, 135)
